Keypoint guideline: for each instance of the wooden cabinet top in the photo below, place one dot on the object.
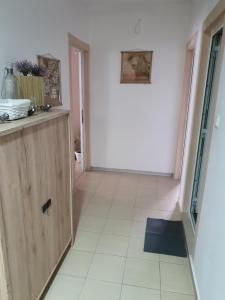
(17, 125)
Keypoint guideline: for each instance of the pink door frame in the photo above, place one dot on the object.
(75, 103)
(190, 53)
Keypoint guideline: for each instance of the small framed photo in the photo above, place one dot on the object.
(136, 66)
(52, 79)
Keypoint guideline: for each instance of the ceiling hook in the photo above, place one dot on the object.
(137, 28)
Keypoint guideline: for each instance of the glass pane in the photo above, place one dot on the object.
(216, 40)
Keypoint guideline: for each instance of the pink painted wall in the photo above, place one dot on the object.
(75, 93)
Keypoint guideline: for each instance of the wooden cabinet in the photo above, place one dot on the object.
(34, 170)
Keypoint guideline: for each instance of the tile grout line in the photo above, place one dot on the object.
(135, 257)
(131, 285)
(86, 276)
(95, 251)
(160, 279)
(125, 265)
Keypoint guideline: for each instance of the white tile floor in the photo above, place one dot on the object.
(107, 261)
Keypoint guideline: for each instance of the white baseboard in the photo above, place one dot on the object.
(130, 171)
(194, 278)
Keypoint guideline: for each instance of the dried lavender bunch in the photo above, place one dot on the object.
(38, 70)
(24, 67)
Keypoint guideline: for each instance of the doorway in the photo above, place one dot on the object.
(205, 124)
(79, 103)
(77, 110)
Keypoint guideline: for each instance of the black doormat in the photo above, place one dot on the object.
(165, 237)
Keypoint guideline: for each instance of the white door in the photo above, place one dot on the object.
(205, 125)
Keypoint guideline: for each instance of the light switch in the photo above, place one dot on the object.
(217, 123)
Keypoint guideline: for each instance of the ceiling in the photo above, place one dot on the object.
(137, 2)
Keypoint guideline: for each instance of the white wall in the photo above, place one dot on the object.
(200, 10)
(135, 126)
(209, 247)
(209, 259)
(31, 27)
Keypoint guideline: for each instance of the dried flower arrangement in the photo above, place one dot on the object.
(27, 68)
(38, 70)
(24, 67)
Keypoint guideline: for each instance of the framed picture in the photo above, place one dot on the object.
(136, 66)
(52, 79)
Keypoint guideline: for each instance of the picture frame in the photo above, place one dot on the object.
(52, 79)
(136, 67)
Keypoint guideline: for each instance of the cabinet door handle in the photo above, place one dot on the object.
(46, 206)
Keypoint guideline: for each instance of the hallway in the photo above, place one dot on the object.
(107, 261)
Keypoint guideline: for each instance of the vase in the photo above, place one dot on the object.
(9, 85)
(31, 87)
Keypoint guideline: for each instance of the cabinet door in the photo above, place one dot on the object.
(46, 148)
(63, 181)
(35, 168)
(43, 249)
(14, 200)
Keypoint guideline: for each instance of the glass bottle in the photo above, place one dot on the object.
(9, 85)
